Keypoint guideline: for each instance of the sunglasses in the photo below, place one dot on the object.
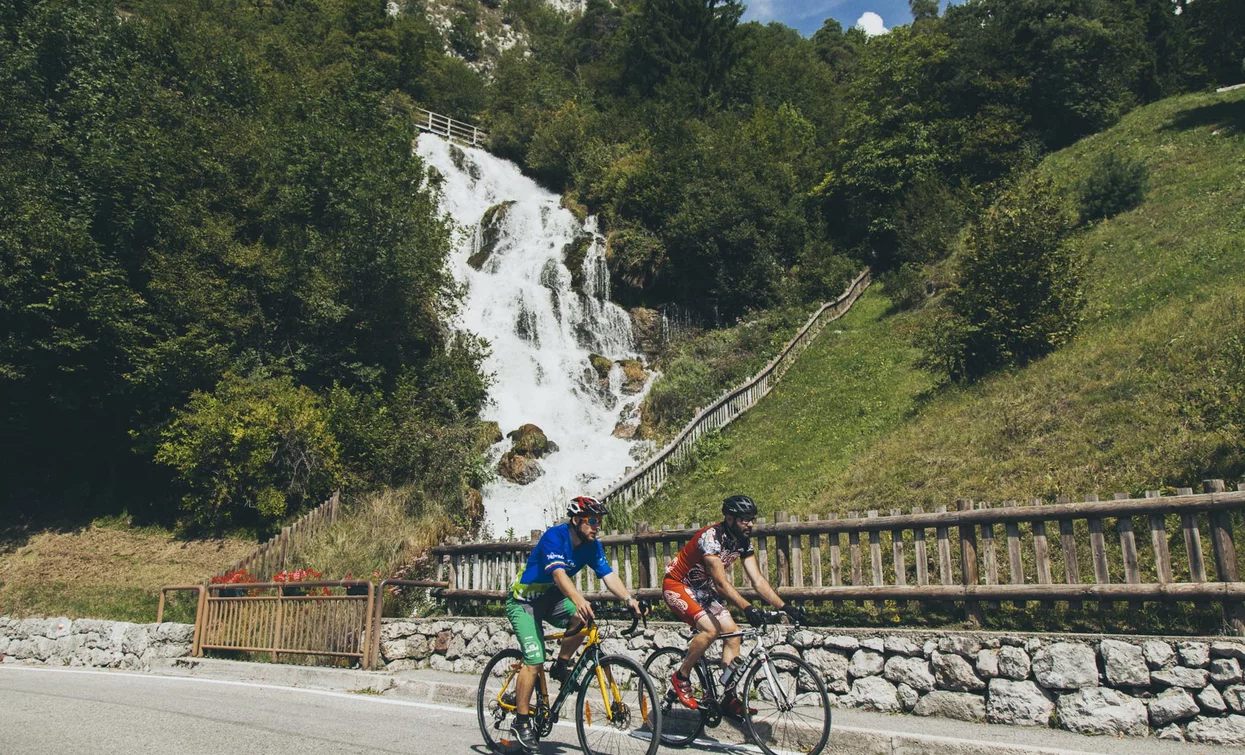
(593, 521)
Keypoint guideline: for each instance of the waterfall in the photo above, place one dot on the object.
(543, 321)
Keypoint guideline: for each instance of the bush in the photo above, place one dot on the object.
(250, 452)
(904, 286)
(1019, 292)
(1115, 184)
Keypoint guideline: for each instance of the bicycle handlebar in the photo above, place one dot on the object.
(607, 613)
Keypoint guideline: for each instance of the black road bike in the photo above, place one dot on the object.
(786, 707)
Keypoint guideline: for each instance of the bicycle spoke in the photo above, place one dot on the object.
(791, 706)
(680, 725)
(617, 710)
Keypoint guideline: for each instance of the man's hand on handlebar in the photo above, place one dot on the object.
(794, 612)
(583, 609)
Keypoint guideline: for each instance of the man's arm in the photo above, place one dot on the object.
(722, 583)
(583, 609)
(761, 584)
(616, 586)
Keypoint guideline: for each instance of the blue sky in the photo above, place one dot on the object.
(807, 15)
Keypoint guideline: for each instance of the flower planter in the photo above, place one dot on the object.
(231, 592)
(356, 590)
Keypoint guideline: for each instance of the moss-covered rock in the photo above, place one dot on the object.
(489, 434)
(473, 505)
(490, 233)
(577, 208)
(518, 468)
(573, 257)
(601, 365)
(530, 440)
(634, 376)
(646, 324)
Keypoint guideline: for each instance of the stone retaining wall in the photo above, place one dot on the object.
(1172, 688)
(91, 642)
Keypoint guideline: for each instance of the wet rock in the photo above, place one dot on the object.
(490, 233)
(1014, 663)
(913, 672)
(473, 505)
(1018, 703)
(872, 693)
(1229, 730)
(1225, 671)
(529, 440)
(1066, 666)
(601, 366)
(1097, 710)
(573, 255)
(954, 673)
(1158, 654)
(646, 325)
(625, 431)
(634, 376)
(963, 706)
(1124, 663)
(519, 469)
(1173, 705)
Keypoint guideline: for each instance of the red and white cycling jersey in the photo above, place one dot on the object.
(689, 566)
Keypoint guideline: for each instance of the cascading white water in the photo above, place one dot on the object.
(541, 332)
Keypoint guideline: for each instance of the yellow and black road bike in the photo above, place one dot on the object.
(616, 707)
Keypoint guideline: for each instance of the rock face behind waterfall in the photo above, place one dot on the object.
(564, 358)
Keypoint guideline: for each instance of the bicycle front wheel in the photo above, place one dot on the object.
(791, 704)
(617, 711)
(495, 700)
(680, 725)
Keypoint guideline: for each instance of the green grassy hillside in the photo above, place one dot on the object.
(1143, 398)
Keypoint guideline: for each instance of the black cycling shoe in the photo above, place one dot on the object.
(560, 671)
(524, 733)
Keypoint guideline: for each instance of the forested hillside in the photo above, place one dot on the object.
(223, 289)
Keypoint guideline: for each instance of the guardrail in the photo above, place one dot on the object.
(977, 554)
(272, 556)
(648, 478)
(443, 125)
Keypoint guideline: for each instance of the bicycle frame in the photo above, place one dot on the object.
(758, 654)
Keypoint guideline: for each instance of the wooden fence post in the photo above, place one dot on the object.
(1225, 557)
(782, 551)
(968, 563)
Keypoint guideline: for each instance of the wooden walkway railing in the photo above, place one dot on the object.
(1146, 549)
(647, 479)
(443, 125)
(272, 556)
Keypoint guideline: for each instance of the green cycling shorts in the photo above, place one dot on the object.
(526, 619)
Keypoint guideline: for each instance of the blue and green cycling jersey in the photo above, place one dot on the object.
(552, 552)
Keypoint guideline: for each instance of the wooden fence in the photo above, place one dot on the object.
(443, 125)
(1152, 549)
(272, 556)
(647, 479)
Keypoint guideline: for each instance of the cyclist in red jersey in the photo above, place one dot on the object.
(697, 582)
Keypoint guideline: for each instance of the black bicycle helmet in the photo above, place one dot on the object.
(740, 505)
(584, 505)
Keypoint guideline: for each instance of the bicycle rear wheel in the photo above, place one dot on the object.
(680, 725)
(495, 700)
(792, 707)
(617, 711)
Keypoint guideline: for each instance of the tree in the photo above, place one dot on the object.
(923, 10)
(683, 50)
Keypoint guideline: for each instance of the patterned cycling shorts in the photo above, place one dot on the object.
(526, 619)
(690, 603)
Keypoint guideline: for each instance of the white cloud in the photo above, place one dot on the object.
(761, 10)
(871, 23)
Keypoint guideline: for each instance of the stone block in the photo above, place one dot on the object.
(1066, 666)
(1179, 676)
(832, 666)
(1018, 703)
(987, 664)
(1234, 696)
(1211, 702)
(963, 706)
(965, 647)
(1124, 663)
(876, 644)
(1098, 710)
(1225, 671)
(872, 693)
(1229, 730)
(1158, 654)
(1014, 663)
(865, 663)
(952, 672)
(842, 642)
(1193, 654)
(1228, 650)
(1175, 704)
(1170, 733)
(913, 672)
(901, 646)
(908, 697)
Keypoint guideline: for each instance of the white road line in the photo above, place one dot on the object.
(471, 711)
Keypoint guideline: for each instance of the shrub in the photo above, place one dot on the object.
(250, 452)
(1115, 184)
(905, 286)
(1019, 292)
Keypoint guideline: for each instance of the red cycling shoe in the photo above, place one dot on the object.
(683, 688)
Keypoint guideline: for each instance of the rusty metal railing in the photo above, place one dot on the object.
(379, 608)
(200, 594)
(265, 617)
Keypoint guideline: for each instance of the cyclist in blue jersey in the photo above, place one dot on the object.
(545, 591)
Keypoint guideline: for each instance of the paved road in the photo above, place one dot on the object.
(69, 711)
